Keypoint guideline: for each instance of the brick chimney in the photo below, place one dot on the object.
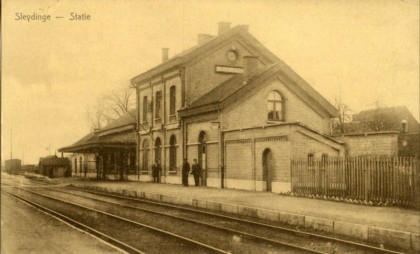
(201, 38)
(223, 27)
(404, 126)
(250, 66)
(165, 54)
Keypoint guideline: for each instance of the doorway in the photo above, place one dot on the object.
(202, 158)
(268, 167)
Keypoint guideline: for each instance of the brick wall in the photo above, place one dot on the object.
(255, 106)
(280, 149)
(371, 144)
(239, 159)
(305, 143)
(244, 153)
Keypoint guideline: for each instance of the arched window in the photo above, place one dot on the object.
(158, 104)
(275, 106)
(172, 153)
(172, 100)
(145, 165)
(145, 109)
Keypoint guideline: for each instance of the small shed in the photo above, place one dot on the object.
(54, 167)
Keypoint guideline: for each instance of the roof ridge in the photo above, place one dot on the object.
(172, 61)
(260, 73)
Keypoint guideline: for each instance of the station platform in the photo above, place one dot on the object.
(382, 225)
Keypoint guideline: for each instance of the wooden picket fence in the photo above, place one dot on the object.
(374, 180)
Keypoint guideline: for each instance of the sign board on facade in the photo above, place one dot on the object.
(228, 69)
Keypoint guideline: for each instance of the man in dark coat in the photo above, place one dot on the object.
(185, 171)
(156, 168)
(196, 171)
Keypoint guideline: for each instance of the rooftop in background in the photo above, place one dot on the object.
(397, 119)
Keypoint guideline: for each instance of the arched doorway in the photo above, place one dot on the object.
(268, 167)
(172, 153)
(202, 159)
(145, 165)
(158, 150)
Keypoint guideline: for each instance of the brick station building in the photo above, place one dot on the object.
(235, 107)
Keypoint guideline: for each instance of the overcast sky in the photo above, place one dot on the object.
(53, 71)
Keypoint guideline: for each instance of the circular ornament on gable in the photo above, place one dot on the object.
(232, 55)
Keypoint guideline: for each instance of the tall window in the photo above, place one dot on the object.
(158, 104)
(158, 149)
(172, 154)
(172, 100)
(145, 155)
(145, 109)
(75, 165)
(275, 106)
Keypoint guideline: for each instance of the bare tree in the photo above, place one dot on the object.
(343, 116)
(111, 106)
(120, 100)
(377, 119)
(98, 115)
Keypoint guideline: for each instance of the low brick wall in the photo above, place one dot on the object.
(402, 239)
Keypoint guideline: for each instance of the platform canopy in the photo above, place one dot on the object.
(118, 135)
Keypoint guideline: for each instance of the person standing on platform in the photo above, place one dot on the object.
(185, 171)
(156, 168)
(196, 171)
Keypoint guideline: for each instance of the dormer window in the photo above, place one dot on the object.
(275, 106)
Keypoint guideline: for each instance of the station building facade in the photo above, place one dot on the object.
(235, 107)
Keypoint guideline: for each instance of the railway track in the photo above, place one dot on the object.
(111, 217)
(256, 226)
(244, 234)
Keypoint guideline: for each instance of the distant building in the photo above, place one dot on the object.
(409, 144)
(55, 167)
(30, 169)
(390, 131)
(13, 166)
(383, 119)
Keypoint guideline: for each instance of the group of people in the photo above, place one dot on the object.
(195, 171)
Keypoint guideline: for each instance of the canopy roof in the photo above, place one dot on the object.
(119, 134)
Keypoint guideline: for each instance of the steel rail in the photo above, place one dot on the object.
(314, 235)
(206, 246)
(250, 236)
(109, 239)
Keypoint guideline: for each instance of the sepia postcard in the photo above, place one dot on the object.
(199, 126)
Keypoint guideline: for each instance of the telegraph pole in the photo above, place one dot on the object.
(11, 143)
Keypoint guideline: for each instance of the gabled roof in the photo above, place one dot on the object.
(393, 112)
(225, 89)
(236, 87)
(53, 160)
(190, 54)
